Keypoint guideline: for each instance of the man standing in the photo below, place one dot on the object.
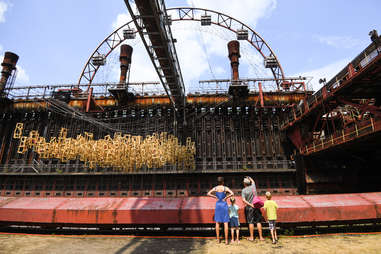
(253, 215)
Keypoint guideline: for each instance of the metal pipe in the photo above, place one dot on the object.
(125, 61)
(233, 48)
(261, 94)
(8, 64)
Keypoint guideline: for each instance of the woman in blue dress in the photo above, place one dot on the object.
(221, 214)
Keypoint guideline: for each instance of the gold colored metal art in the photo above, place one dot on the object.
(122, 152)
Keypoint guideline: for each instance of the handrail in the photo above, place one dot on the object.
(345, 136)
(358, 63)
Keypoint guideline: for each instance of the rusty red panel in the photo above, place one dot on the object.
(197, 209)
(187, 210)
(149, 211)
(341, 207)
(375, 198)
(88, 210)
(293, 209)
(31, 209)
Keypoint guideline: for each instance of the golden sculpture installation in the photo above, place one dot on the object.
(121, 152)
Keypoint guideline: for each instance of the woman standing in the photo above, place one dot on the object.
(221, 214)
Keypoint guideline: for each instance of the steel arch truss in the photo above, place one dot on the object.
(184, 14)
(104, 48)
(234, 25)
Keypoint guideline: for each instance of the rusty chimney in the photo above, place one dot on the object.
(125, 61)
(233, 48)
(8, 65)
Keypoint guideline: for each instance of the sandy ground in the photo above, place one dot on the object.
(46, 244)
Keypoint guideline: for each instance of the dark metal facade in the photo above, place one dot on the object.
(232, 139)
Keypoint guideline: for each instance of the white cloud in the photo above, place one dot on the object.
(327, 72)
(3, 9)
(247, 11)
(121, 19)
(346, 42)
(22, 77)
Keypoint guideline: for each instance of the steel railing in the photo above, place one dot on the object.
(344, 136)
(360, 62)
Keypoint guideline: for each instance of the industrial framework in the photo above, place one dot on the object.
(293, 141)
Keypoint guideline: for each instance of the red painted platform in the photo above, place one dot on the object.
(187, 210)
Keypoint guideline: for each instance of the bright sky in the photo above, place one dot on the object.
(314, 38)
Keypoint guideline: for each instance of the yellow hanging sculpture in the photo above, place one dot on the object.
(121, 152)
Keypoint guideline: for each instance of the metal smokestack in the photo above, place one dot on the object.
(8, 65)
(125, 61)
(233, 48)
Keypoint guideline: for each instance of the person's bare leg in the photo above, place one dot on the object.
(259, 226)
(272, 235)
(251, 231)
(218, 231)
(226, 229)
(275, 235)
(232, 233)
(237, 231)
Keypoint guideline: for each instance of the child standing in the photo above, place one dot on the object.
(234, 220)
(271, 209)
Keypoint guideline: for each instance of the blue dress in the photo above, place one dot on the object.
(221, 213)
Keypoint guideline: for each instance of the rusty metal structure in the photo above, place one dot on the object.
(293, 141)
(336, 131)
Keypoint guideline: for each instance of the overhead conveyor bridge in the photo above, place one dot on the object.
(153, 25)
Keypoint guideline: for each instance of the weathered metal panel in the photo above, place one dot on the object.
(88, 211)
(341, 207)
(149, 211)
(186, 210)
(374, 197)
(30, 210)
(293, 209)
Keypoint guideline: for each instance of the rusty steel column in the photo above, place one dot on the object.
(233, 48)
(8, 64)
(125, 61)
(261, 94)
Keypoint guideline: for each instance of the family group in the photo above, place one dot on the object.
(228, 214)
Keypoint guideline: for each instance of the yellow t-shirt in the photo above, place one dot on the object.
(270, 207)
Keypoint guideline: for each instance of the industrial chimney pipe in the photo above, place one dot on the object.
(8, 64)
(233, 48)
(125, 61)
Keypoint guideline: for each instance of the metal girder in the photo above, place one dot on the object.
(158, 41)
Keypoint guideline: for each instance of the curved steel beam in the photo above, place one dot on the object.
(105, 47)
(185, 14)
(232, 24)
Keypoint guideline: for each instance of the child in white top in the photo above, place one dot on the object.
(234, 220)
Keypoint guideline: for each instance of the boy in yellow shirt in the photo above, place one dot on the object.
(271, 208)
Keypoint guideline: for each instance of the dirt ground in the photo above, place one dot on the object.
(47, 244)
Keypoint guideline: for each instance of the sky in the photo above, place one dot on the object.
(54, 39)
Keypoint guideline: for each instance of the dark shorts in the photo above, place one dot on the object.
(253, 215)
(272, 224)
(234, 223)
